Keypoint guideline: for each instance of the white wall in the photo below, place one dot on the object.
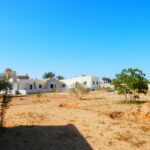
(107, 85)
(56, 84)
(82, 79)
(24, 84)
(34, 91)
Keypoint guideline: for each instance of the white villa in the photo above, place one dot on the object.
(24, 85)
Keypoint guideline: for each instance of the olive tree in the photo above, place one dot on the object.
(131, 83)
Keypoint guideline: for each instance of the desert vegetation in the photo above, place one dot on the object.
(79, 91)
(131, 83)
(103, 122)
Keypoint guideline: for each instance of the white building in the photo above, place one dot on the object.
(90, 82)
(24, 85)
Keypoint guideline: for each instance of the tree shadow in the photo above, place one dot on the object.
(43, 138)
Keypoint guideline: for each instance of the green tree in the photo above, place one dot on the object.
(4, 86)
(60, 77)
(79, 90)
(131, 82)
(49, 75)
(106, 80)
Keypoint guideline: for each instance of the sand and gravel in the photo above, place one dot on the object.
(59, 121)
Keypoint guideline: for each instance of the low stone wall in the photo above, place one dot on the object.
(34, 91)
(106, 85)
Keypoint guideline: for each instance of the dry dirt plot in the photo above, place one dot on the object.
(58, 121)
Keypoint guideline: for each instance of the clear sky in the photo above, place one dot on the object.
(74, 37)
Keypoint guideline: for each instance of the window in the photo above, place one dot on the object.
(31, 87)
(93, 82)
(85, 82)
(52, 86)
(63, 85)
(97, 82)
(40, 86)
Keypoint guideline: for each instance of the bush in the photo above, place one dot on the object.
(79, 90)
(39, 95)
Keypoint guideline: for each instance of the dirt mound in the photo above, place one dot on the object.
(117, 115)
(69, 105)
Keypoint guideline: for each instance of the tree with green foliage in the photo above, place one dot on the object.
(106, 80)
(131, 83)
(79, 90)
(4, 86)
(49, 75)
(59, 77)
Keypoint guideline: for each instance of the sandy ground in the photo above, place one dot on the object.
(59, 121)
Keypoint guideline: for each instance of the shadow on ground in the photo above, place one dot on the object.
(43, 138)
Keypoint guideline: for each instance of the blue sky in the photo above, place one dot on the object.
(74, 37)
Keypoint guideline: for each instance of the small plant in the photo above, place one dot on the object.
(79, 90)
(39, 95)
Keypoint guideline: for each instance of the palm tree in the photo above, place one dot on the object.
(49, 75)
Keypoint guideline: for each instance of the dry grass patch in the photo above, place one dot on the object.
(129, 138)
(33, 118)
(145, 128)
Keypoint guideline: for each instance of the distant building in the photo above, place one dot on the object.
(24, 85)
(90, 82)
